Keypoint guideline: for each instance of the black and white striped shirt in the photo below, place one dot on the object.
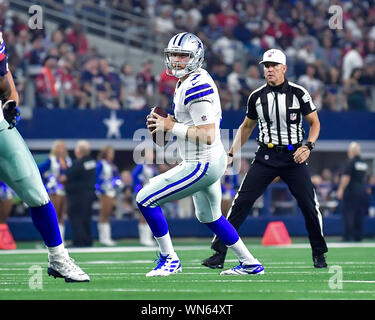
(279, 112)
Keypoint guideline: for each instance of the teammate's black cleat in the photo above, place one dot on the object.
(216, 261)
(320, 261)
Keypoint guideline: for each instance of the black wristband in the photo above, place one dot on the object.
(230, 154)
(310, 145)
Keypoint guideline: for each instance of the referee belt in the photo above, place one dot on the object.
(279, 148)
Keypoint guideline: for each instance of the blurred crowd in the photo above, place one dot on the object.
(337, 66)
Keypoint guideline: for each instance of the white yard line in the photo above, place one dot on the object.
(186, 248)
(103, 250)
(332, 245)
(195, 264)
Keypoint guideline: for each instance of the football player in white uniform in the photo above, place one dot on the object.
(196, 123)
(19, 170)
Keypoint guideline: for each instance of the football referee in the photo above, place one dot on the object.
(278, 107)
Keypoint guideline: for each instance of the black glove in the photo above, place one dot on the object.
(11, 113)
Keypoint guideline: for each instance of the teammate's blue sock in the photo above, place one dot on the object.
(224, 230)
(45, 220)
(155, 219)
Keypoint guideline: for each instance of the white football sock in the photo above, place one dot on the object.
(56, 251)
(243, 253)
(165, 244)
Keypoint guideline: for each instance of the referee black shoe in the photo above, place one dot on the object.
(320, 261)
(216, 261)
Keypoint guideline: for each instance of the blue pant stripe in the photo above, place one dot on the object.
(184, 187)
(172, 184)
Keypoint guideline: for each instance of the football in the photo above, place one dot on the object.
(160, 138)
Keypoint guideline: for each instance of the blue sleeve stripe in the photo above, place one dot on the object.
(2, 48)
(195, 89)
(198, 95)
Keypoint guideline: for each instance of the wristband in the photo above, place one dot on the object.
(180, 130)
(230, 154)
(310, 145)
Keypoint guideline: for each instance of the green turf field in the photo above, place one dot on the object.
(119, 273)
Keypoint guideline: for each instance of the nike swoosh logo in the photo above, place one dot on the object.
(194, 83)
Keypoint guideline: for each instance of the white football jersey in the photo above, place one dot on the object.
(198, 87)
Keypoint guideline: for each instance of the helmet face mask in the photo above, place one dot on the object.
(183, 44)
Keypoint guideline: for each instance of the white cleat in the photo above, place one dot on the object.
(63, 266)
(242, 269)
(166, 266)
